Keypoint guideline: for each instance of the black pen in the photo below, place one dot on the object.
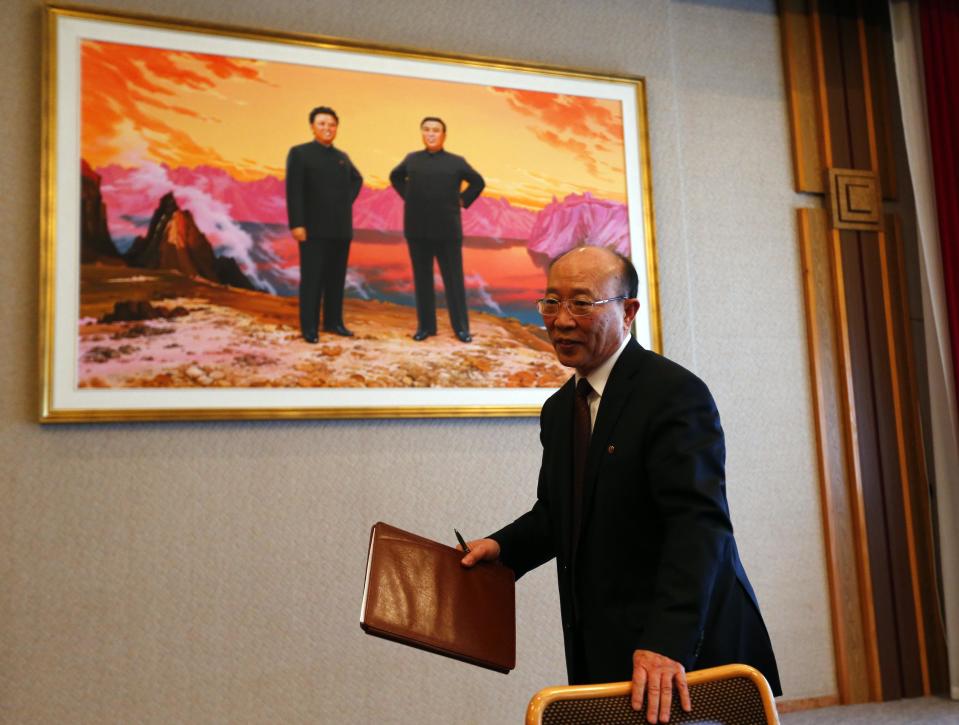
(459, 538)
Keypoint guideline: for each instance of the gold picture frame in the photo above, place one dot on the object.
(139, 128)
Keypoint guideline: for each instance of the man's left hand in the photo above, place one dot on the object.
(654, 675)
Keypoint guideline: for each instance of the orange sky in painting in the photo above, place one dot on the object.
(188, 109)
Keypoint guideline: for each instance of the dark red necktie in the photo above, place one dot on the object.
(582, 431)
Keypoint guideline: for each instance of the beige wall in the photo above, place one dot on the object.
(212, 572)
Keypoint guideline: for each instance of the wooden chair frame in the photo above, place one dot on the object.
(542, 699)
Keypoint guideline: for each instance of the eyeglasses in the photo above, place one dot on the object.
(577, 306)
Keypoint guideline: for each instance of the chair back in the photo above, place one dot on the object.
(727, 695)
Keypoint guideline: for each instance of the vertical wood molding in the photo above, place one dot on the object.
(880, 54)
(904, 476)
(842, 506)
(867, 92)
(933, 619)
(808, 166)
(854, 470)
(822, 426)
(857, 656)
(822, 94)
(881, 559)
(813, 234)
(898, 338)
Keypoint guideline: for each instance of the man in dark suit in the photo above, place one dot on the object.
(321, 185)
(631, 502)
(430, 183)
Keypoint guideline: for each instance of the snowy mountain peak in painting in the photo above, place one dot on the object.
(174, 242)
(579, 220)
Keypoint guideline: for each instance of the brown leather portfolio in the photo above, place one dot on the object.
(417, 593)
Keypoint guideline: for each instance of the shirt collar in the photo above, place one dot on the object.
(599, 377)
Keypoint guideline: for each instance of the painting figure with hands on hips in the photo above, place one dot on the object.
(429, 182)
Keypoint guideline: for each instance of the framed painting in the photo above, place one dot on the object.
(170, 264)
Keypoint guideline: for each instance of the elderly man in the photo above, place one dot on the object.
(430, 183)
(631, 502)
(321, 185)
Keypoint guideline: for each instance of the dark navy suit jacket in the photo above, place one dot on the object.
(429, 183)
(321, 185)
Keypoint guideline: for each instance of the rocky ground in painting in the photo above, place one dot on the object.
(170, 331)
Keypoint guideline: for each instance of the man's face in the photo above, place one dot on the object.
(433, 135)
(324, 128)
(585, 342)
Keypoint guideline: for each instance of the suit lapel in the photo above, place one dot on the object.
(563, 442)
(615, 397)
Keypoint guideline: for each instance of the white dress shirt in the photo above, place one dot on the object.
(597, 381)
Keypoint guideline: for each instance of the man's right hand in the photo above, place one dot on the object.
(480, 550)
(299, 233)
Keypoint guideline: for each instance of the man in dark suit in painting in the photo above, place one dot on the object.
(321, 185)
(430, 183)
(631, 502)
